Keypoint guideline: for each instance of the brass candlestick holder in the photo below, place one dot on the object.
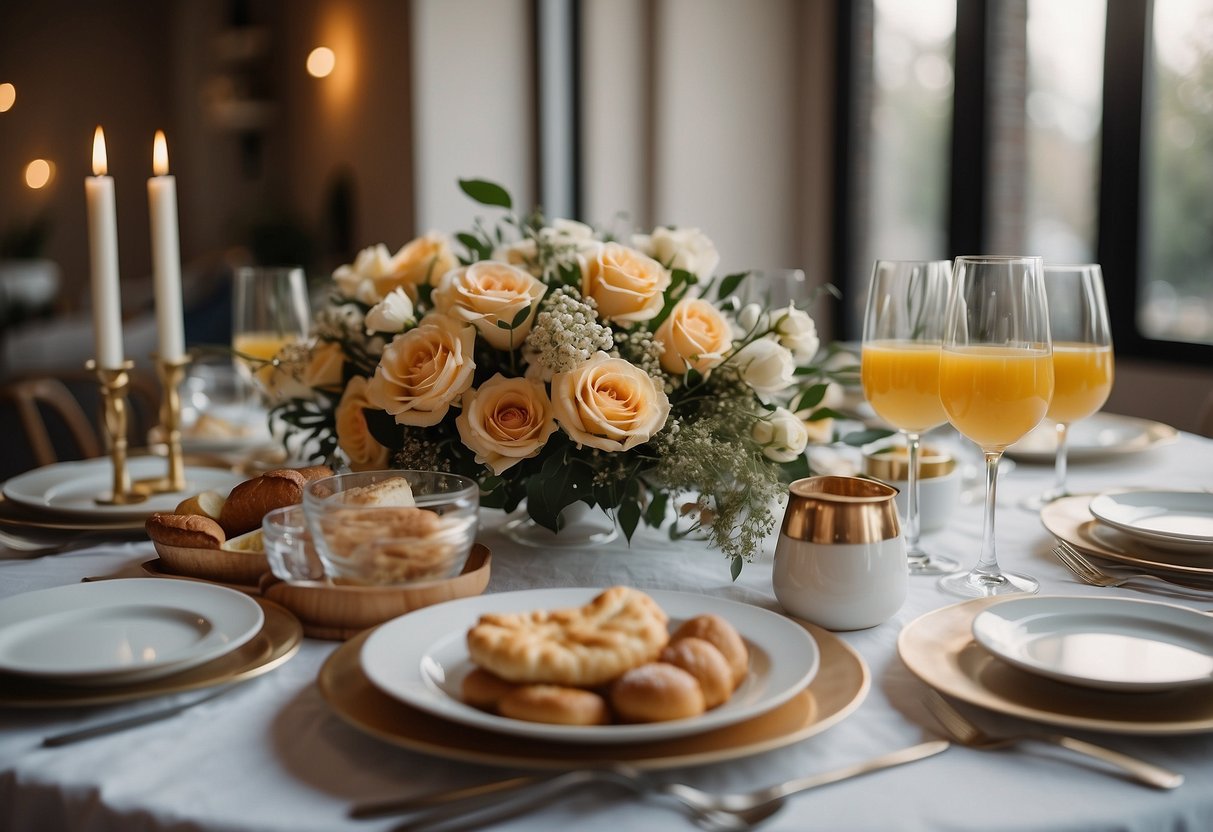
(171, 372)
(115, 383)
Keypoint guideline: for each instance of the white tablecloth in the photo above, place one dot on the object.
(271, 755)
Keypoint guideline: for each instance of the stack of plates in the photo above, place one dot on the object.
(112, 640)
(1167, 532)
(401, 682)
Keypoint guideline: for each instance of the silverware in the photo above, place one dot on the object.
(746, 808)
(967, 733)
(1087, 572)
(105, 728)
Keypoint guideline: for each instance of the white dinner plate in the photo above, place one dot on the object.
(1174, 520)
(1096, 437)
(1116, 644)
(421, 659)
(73, 487)
(121, 631)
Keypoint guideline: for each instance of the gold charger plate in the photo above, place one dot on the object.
(939, 649)
(839, 687)
(1070, 519)
(278, 640)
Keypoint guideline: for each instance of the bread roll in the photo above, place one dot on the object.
(657, 692)
(482, 689)
(724, 636)
(190, 531)
(707, 664)
(555, 705)
(311, 473)
(208, 504)
(252, 499)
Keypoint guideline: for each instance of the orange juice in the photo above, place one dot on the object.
(263, 346)
(1082, 379)
(901, 381)
(995, 395)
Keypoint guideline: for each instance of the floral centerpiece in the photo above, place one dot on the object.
(557, 365)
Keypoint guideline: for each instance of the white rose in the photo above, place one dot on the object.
(796, 331)
(357, 280)
(688, 249)
(567, 233)
(781, 434)
(750, 318)
(392, 314)
(766, 366)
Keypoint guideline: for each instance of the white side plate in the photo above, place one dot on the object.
(421, 659)
(119, 631)
(1099, 436)
(1175, 520)
(1114, 644)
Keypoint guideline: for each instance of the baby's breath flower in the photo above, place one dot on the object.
(566, 333)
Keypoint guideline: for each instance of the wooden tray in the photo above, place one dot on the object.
(339, 612)
(219, 565)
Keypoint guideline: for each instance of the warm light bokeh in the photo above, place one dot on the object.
(8, 95)
(100, 162)
(160, 154)
(38, 173)
(321, 61)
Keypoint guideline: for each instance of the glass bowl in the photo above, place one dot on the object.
(392, 527)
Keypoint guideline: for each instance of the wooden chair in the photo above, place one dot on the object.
(30, 397)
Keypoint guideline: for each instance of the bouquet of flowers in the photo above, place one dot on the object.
(555, 364)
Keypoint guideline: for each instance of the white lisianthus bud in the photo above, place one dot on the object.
(392, 314)
(796, 331)
(567, 232)
(781, 434)
(749, 318)
(688, 249)
(766, 366)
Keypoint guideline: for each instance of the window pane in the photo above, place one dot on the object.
(1065, 87)
(1177, 280)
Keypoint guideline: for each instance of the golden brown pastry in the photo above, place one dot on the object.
(722, 634)
(706, 663)
(252, 499)
(555, 704)
(657, 692)
(208, 504)
(482, 689)
(191, 531)
(311, 473)
(581, 646)
(253, 541)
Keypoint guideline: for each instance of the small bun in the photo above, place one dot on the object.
(311, 473)
(555, 705)
(482, 689)
(252, 499)
(189, 531)
(726, 639)
(657, 692)
(707, 664)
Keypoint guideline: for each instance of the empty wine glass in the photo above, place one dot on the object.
(995, 381)
(271, 311)
(899, 369)
(1082, 357)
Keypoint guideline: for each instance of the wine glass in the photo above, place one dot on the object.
(271, 312)
(899, 370)
(1082, 356)
(995, 381)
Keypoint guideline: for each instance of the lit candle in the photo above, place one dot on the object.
(103, 259)
(166, 253)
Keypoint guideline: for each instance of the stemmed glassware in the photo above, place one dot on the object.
(899, 369)
(995, 381)
(271, 311)
(1082, 356)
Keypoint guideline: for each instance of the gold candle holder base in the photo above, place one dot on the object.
(171, 374)
(115, 384)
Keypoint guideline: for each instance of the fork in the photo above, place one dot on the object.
(1089, 573)
(967, 733)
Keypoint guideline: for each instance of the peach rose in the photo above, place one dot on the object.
(506, 421)
(353, 436)
(424, 371)
(324, 365)
(695, 333)
(423, 260)
(627, 286)
(487, 292)
(609, 404)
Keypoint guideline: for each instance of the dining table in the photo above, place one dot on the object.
(273, 754)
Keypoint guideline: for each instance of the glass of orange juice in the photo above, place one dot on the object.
(899, 369)
(271, 312)
(1082, 356)
(995, 382)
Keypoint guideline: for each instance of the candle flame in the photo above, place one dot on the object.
(160, 154)
(100, 165)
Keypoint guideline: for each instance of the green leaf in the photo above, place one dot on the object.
(729, 284)
(810, 397)
(863, 437)
(486, 193)
(654, 515)
(629, 518)
(383, 428)
(797, 469)
(825, 413)
(521, 317)
(735, 567)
